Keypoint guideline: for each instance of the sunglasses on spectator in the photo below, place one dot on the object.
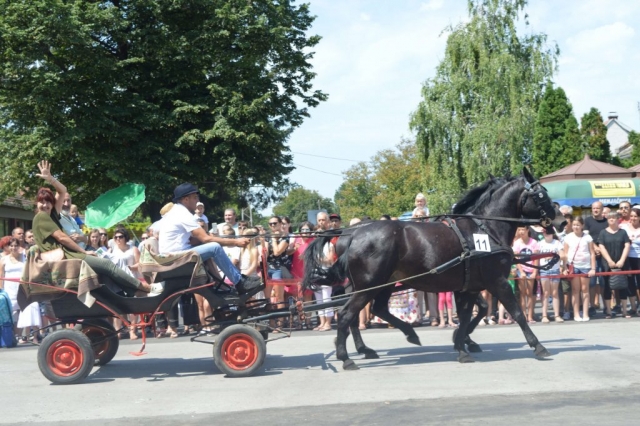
(143, 238)
(117, 237)
(273, 223)
(103, 235)
(305, 230)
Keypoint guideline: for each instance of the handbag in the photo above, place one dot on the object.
(570, 267)
(618, 282)
(54, 255)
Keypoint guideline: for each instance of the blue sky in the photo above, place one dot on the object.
(375, 55)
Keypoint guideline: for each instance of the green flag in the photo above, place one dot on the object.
(114, 206)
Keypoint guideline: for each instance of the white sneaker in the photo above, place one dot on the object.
(157, 288)
(577, 319)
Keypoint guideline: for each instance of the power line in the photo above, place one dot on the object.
(316, 170)
(322, 156)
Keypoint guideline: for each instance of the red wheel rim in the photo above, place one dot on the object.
(64, 358)
(239, 351)
(95, 334)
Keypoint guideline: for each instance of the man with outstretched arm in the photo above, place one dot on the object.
(179, 231)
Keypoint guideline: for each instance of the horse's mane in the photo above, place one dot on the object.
(481, 195)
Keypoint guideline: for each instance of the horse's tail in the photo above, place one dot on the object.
(314, 274)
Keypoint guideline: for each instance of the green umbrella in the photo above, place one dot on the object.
(114, 206)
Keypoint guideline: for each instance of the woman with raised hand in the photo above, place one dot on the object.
(49, 235)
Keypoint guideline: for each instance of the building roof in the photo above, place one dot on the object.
(611, 121)
(635, 168)
(588, 169)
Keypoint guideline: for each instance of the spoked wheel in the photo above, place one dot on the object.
(103, 337)
(239, 351)
(66, 357)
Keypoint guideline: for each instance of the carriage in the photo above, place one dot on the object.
(83, 303)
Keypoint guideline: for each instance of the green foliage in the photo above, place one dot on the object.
(594, 136)
(634, 140)
(478, 113)
(556, 139)
(299, 201)
(154, 92)
(387, 185)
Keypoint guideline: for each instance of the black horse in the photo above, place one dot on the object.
(436, 257)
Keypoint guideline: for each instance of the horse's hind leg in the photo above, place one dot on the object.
(357, 336)
(508, 299)
(482, 312)
(380, 309)
(348, 315)
(464, 303)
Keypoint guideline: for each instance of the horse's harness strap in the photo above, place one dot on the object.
(465, 256)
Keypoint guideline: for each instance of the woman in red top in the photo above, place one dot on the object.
(296, 249)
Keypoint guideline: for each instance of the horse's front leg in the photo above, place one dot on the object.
(508, 299)
(464, 302)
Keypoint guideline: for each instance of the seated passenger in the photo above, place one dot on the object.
(49, 235)
(179, 231)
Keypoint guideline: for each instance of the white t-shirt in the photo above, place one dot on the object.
(634, 236)
(220, 225)
(175, 229)
(579, 250)
(203, 217)
(553, 247)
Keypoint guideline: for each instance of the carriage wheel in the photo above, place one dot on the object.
(65, 357)
(104, 339)
(239, 351)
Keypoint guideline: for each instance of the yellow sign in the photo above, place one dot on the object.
(612, 188)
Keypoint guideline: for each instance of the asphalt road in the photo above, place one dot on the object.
(592, 377)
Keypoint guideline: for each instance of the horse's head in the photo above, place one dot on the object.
(535, 203)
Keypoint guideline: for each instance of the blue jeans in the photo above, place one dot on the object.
(275, 274)
(214, 250)
(593, 281)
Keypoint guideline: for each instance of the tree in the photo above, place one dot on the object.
(556, 138)
(594, 136)
(299, 201)
(387, 185)
(156, 92)
(355, 194)
(478, 113)
(634, 141)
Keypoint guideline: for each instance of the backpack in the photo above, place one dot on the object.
(7, 338)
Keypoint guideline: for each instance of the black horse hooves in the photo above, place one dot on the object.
(542, 352)
(350, 365)
(465, 358)
(371, 355)
(474, 347)
(414, 339)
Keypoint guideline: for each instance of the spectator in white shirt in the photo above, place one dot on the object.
(199, 214)
(230, 218)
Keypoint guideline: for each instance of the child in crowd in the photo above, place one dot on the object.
(524, 244)
(445, 301)
(550, 244)
(421, 209)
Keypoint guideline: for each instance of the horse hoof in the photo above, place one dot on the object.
(415, 340)
(465, 358)
(474, 348)
(371, 355)
(350, 365)
(542, 352)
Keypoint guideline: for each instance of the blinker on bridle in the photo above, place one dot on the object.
(543, 203)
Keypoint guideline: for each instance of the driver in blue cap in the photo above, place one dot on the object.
(180, 231)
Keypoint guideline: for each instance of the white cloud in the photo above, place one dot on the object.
(365, 16)
(432, 5)
(607, 42)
